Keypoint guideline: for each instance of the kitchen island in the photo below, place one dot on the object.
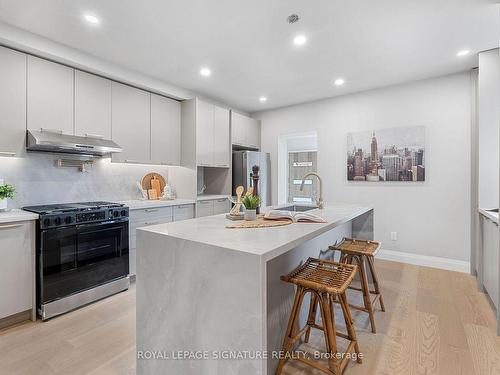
(210, 299)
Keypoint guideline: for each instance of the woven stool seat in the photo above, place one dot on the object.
(362, 252)
(357, 247)
(322, 276)
(326, 282)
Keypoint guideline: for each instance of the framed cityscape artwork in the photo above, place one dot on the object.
(396, 154)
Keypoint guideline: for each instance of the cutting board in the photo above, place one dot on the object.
(259, 223)
(154, 181)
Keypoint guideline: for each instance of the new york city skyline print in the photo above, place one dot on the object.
(395, 154)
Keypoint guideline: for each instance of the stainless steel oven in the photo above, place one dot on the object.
(82, 256)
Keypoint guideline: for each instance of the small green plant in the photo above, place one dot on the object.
(7, 191)
(251, 202)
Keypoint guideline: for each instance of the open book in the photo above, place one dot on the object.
(296, 217)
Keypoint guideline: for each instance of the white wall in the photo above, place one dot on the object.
(431, 218)
(489, 118)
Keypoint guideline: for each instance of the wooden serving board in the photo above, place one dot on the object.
(259, 223)
(146, 182)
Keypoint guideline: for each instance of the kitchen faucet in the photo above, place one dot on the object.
(319, 201)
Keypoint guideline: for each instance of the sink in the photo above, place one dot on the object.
(297, 208)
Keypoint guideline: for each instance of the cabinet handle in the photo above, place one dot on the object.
(222, 200)
(183, 207)
(205, 202)
(136, 161)
(151, 210)
(151, 223)
(7, 153)
(10, 226)
(89, 135)
(57, 131)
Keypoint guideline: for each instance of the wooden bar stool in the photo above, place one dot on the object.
(357, 251)
(326, 281)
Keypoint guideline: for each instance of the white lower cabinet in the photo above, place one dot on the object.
(204, 208)
(17, 249)
(183, 212)
(210, 207)
(152, 216)
(221, 206)
(489, 232)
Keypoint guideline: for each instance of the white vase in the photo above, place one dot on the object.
(250, 214)
(3, 204)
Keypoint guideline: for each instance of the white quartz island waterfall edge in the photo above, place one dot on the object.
(208, 290)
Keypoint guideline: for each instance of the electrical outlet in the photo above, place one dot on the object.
(394, 236)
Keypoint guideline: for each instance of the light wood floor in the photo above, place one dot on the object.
(436, 323)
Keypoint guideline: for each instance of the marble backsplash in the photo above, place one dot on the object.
(39, 181)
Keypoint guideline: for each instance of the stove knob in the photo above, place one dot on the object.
(124, 213)
(116, 214)
(68, 220)
(58, 221)
(46, 222)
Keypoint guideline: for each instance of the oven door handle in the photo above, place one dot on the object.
(105, 223)
(8, 226)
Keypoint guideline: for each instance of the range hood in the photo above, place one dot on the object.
(56, 141)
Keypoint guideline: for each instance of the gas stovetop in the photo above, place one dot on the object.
(66, 214)
(71, 207)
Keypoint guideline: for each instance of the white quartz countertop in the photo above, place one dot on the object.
(490, 215)
(138, 204)
(207, 197)
(16, 214)
(267, 242)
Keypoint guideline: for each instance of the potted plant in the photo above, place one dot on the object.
(6, 192)
(251, 202)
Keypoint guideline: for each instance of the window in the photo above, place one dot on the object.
(300, 163)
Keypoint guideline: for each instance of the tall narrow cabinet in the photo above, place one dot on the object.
(12, 102)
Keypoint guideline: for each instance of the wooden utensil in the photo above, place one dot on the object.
(152, 194)
(155, 185)
(235, 211)
(250, 191)
(239, 193)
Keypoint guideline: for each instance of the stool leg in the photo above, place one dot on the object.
(311, 319)
(375, 282)
(329, 325)
(349, 324)
(366, 291)
(288, 340)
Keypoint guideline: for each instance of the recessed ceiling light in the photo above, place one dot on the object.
(299, 40)
(463, 52)
(91, 19)
(205, 72)
(262, 99)
(339, 81)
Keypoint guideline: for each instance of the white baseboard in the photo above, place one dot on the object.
(425, 260)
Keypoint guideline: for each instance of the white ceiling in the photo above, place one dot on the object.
(248, 44)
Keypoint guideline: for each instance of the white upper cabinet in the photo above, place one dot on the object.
(12, 102)
(204, 133)
(238, 129)
(165, 130)
(212, 135)
(253, 133)
(222, 149)
(50, 96)
(245, 131)
(92, 105)
(131, 123)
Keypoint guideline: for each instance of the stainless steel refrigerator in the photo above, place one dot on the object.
(243, 161)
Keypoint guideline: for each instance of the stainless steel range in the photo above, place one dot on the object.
(82, 254)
